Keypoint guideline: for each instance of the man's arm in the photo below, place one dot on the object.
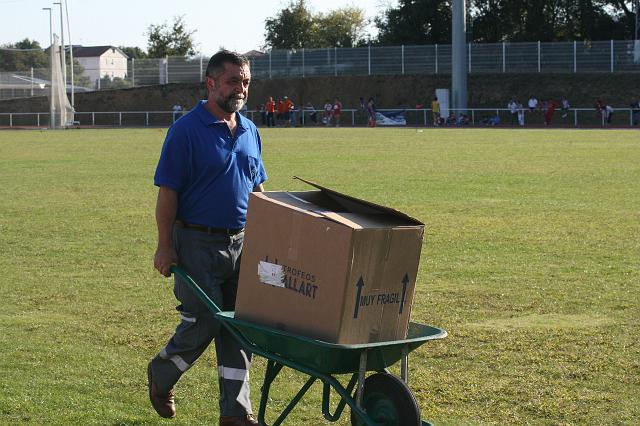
(166, 209)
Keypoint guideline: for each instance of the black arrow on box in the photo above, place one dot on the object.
(359, 284)
(405, 281)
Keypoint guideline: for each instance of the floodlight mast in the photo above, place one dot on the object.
(50, 25)
(66, 11)
(458, 56)
(62, 52)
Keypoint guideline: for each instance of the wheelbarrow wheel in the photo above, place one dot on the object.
(388, 401)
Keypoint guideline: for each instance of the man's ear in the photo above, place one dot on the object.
(210, 83)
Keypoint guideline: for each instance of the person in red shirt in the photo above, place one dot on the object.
(281, 109)
(270, 107)
(287, 109)
(548, 114)
(337, 110)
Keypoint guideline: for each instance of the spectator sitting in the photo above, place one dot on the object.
(463, 119)
(492, 121)
(313, 115)
(451, 120)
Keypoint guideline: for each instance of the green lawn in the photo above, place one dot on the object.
(531, 262)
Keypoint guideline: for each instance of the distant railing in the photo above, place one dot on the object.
(534, 57)
(477, 117)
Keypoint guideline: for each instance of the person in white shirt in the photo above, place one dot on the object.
(513, 110)
(177, 111)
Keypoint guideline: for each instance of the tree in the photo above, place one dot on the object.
(545, 20)
(295, 27)
(170, 41)
(493, 21)
(291, 28)
(134, 52)
(342, 27)
(16, 60)
(107, 82)
(415, 22)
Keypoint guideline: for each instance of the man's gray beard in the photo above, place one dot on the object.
(231, 105)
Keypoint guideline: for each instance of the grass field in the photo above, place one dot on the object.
(531, 262)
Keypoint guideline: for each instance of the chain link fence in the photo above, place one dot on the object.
(561, 57)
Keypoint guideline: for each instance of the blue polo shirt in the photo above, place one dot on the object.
(212, 171)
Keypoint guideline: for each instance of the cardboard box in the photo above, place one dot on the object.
(328, 266)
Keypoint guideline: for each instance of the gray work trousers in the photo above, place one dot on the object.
(213, 261)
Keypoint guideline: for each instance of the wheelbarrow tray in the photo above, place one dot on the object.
(330, 358)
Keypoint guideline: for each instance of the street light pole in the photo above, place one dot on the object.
(50, 25)
(62, 52)
(66, 11)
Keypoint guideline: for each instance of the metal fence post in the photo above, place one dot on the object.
(575, 118)
(38, 119)
(166, 70)
(504, 57)
(120, 119)
(611, 55)
(93, 119)
(538, 56)
(369, 58)
(10, 120)
(575, 63)
(402, 52)
(146, 119)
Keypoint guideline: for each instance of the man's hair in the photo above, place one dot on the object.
(217, 61)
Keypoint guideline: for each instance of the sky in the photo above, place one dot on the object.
(236, 26)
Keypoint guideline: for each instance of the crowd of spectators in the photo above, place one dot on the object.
(282, 112)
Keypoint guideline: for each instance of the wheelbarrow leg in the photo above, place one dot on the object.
(326, 396)
(273, 368)
(361, 373)
(295, 401)
(404, 365)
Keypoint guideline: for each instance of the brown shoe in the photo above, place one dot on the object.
(238, 420)
(163, 404)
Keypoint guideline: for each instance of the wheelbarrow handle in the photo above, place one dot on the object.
(200, 294)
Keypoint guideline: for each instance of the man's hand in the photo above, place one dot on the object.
(163, 259)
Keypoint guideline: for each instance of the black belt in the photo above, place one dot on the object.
(210, 229)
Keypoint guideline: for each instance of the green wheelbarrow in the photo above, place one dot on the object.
(380, 399)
